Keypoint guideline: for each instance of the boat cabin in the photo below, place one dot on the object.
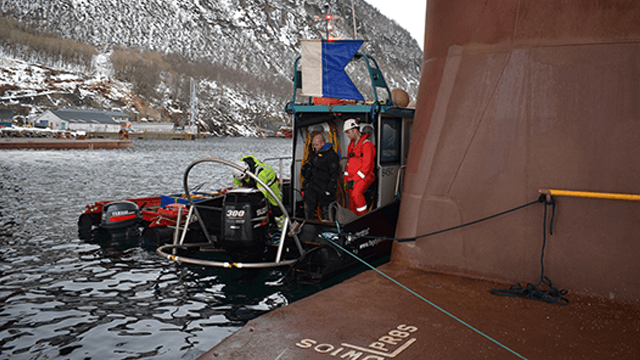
(387, 124)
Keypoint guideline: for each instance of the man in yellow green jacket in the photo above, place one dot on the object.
(265, 173)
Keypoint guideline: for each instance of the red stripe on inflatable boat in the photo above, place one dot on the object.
(122, 218)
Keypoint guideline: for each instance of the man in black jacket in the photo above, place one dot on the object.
(321, 175)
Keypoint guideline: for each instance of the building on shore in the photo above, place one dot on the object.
(6, 115)
(84, 120)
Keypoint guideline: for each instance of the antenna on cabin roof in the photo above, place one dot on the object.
(353, 15)
(328, 19)
(194, 105)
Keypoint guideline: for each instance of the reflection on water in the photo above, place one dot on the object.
(67, 298)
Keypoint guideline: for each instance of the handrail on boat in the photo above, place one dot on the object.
(222, 264)
(280, 167)
(375, 75)
(193, 209)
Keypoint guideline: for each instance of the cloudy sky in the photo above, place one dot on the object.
(409, 14)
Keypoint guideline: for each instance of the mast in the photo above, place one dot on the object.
(194, 105)
(353, 15)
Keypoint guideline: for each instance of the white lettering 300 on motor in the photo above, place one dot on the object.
(387, 346)
(235, 213)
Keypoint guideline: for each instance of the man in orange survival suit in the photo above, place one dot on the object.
(358, 174)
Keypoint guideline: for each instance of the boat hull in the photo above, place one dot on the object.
(516, 97)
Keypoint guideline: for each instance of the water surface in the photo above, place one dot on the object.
(63, 297)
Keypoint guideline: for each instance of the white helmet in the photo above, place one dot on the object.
(350, 124)
(240, 174)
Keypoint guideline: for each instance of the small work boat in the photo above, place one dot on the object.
(234, 228)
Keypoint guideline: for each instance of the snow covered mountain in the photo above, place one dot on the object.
(143, 53)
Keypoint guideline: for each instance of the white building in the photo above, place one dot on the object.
(6, 116)
(152, 127)
(85, 120)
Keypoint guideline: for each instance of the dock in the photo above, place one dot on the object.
(60, 144)
(369, 317)
(149, 135)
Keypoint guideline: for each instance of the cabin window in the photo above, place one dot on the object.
(390, 141)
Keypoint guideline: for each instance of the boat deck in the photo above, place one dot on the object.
(369, 317)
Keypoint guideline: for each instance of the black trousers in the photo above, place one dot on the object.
(312, 199)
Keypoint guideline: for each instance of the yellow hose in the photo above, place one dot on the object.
(591, 194)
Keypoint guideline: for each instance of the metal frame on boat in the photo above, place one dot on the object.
(193, 211)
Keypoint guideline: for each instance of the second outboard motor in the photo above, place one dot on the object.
(245, 220)
(118, 217)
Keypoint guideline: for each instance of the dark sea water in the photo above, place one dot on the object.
(67, 298)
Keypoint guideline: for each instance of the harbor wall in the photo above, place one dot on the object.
(518, 96)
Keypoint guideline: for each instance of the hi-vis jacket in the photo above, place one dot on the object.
(360, 161)
(264, 173)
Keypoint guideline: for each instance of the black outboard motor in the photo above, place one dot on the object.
(118, 217)
(245, 221)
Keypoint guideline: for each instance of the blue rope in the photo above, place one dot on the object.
(326, 236)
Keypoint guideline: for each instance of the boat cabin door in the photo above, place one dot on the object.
(392, 143)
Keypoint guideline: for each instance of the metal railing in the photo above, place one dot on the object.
(280, 166)
(193, 211)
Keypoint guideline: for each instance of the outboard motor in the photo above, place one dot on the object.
(118, 217)
(245, 221)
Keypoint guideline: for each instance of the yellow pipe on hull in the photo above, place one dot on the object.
(591, 194)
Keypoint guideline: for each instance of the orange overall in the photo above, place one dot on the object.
(360, 165)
